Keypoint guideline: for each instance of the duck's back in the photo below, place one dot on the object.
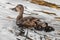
(27, 22)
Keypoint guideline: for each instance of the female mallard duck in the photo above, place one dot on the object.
(27, 22)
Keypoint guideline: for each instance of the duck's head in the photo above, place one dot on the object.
(19, 8)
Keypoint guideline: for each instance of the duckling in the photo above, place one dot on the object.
(48, 28)
(44, 27)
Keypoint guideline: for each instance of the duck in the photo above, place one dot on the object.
(25, 22)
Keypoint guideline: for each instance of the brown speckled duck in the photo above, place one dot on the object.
(27, 22)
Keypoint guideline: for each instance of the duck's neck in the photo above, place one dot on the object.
(19, 16)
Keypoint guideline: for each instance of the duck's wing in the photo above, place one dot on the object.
(27, 21)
